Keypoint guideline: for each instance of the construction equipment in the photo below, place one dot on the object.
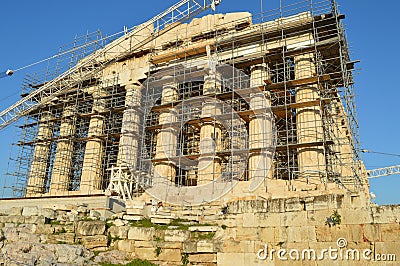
(99, 60)
(384, 171)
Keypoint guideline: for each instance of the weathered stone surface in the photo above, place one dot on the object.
(119, 222)
(46, 229)
(371, 232)
(176, 235)
(118, 232)
(146, 253)
(132, 217)
(16, 219)
(64, 238)
(141, 233)
(237, 246)
(94, 242)
(35, 219)
(113, 257)
(203, 228)
(15, 211)
(206, 246)
(203, 258)
(170, 255)
(125, 245)
(90, 228)
(50, 254)
(390, 232)
(30, 211)
(48, 213)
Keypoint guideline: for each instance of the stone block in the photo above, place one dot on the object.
(156, 220)
(145, 244)
(276, 205)
(318, 217)
(206, 246)
(16, 219)
(390, 232)
(203, 228)
(48, 213)
(267, 234)
(349, 232)
(248, 233)
(44, 229)
(134, 211)
(190, 247)
(171, 245)
(323, 233)
(170, 255)
(125, 245)
(118, 222)
(293, 218)
(146, 253)
(15, 211)
(267, 219)
(30, 211)
(118, 232)
(92, 242)
(293, 205)
(133, 217)
(238, 246)
(371, 232)
(226, 259)
(11, 234)
(248, 220)
(141, 233)
(355, 216)
(386, 214)
(35, 219)
(203, 258)
(176, 235)
(390, 250)
(90, 228)
(64, 238)
(301, 234)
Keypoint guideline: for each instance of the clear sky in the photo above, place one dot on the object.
(33, 30)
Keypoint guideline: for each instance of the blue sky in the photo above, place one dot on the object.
(33, 30)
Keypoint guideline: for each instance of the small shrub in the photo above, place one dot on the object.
(157, 250)
(334, 219)
(185, 259)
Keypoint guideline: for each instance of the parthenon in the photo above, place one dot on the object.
(264, 103)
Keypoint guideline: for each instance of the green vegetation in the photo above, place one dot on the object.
(157, 250)
(135, 262)
(185, 259)
(202, 235)
(334, 219)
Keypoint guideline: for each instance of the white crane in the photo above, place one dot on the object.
(384, 171)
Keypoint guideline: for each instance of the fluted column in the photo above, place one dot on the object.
(209, 166)
(38, 172)
(167, 136)
(129, 141)
(260, 125)
(62, 167)
(92, 162)
(311, 159)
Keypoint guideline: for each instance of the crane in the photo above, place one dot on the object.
(384, 171)
(100, 59)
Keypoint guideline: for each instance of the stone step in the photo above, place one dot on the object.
(132, 217)
(207, 228)
(156, 220)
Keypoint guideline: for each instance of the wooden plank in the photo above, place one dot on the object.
(296, 83)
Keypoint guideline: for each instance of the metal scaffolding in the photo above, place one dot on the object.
(197, 117)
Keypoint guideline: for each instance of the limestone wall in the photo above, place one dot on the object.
(238, 234)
